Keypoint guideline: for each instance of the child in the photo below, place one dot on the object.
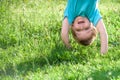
(85, 20)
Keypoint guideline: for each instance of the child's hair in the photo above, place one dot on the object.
(87, 41)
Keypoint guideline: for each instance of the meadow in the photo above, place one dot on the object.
(31, 46)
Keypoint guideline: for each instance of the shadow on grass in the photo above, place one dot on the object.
(58, 55)
(106, 75)
(6, 42)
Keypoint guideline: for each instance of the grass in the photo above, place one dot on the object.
(31, 47)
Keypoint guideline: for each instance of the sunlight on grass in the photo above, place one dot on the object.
(31, 47)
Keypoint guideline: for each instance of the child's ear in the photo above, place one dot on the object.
(94, 31)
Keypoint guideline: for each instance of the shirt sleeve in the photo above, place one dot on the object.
(70, 11)
(68, 14)
(94, 17)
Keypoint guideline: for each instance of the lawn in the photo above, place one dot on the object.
(31, 46)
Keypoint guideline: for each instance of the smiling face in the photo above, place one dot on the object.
(83, 30)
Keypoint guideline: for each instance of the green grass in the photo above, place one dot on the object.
(31, 47)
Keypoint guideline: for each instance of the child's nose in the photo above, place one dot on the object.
(81, 27)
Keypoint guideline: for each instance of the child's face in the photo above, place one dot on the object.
(82, 28)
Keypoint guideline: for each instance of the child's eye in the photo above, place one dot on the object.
(86, 28)
(78, 30)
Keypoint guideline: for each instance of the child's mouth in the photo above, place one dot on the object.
(79, 22)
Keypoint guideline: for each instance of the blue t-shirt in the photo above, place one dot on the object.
(84, 8)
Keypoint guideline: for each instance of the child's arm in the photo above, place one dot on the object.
(103, 36)
(65, 33)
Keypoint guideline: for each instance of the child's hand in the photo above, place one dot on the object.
(69, 47)
(103, 51)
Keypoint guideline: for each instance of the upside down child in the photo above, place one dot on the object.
(85, 21)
